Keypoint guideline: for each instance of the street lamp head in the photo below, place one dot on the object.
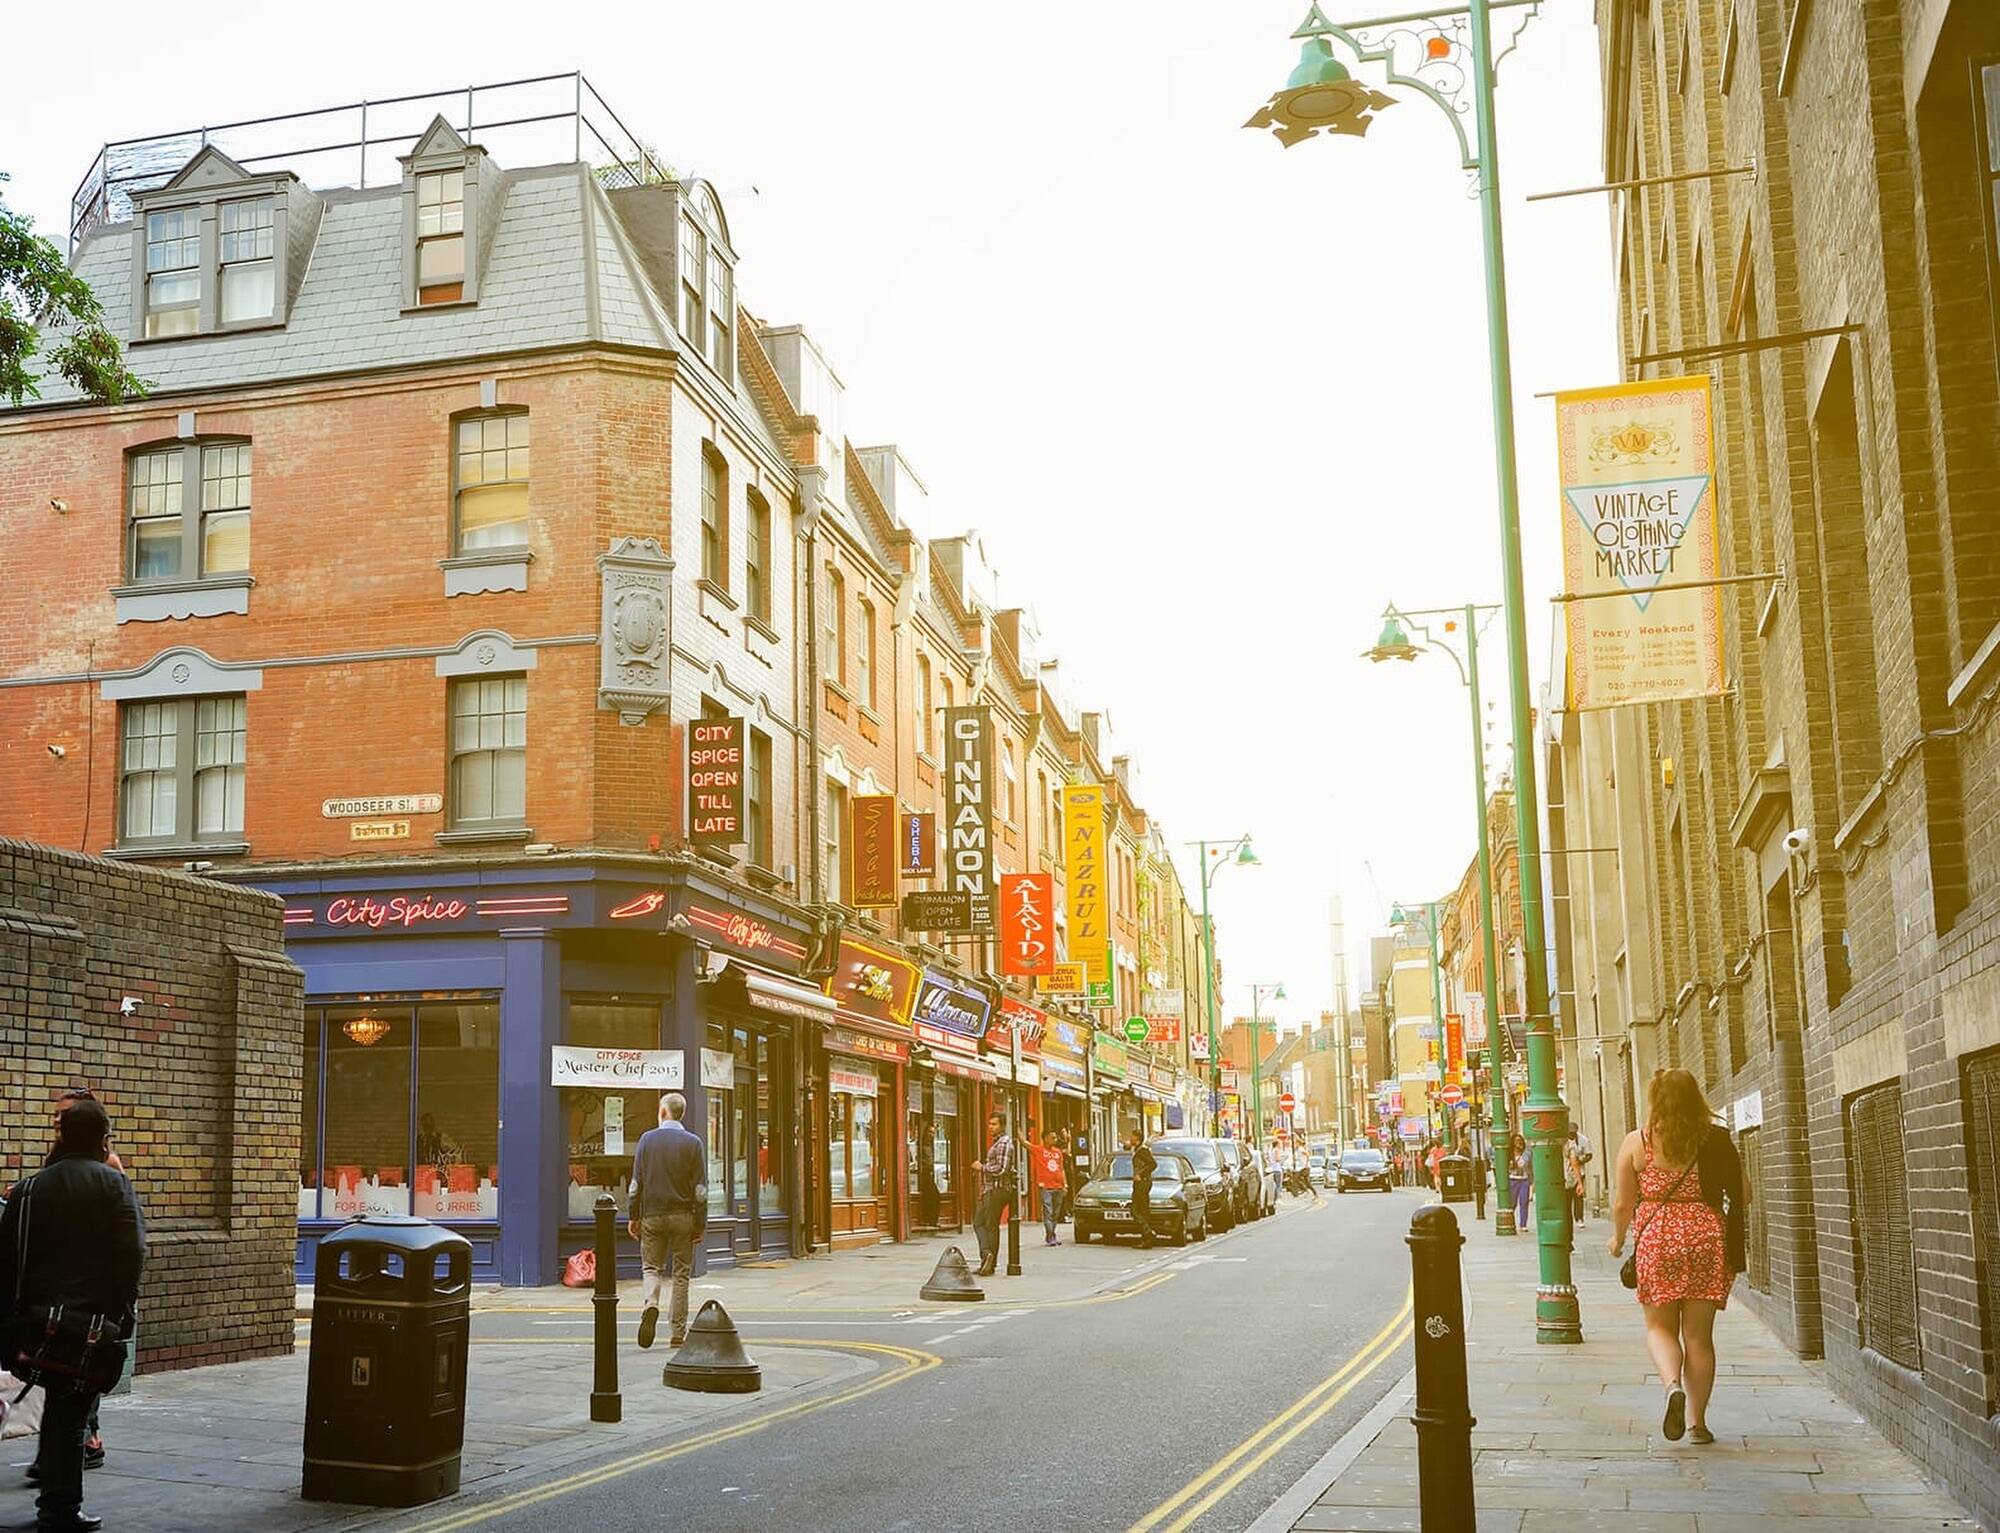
(1393, 644)
(1278, 994)
(1320, 96)
(1245, 858)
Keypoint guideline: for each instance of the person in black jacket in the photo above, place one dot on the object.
(72, 1235)
(1144, 1164)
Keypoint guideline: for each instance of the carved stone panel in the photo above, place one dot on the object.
(635, 632)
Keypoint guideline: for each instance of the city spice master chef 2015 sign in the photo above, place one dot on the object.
(1637, 462)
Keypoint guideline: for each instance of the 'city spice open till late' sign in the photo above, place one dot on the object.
(715, 781)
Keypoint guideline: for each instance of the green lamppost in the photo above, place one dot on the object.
(1276, 991)
(1214, 854)
(1447, 56)
(1394, 644)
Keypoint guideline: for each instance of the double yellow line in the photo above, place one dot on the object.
(913, 1363)
(1269, 1440)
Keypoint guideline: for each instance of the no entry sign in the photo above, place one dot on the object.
(1287, 1102)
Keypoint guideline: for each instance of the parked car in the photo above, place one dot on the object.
(1217, 1171)
(1178, 1206)
(1316, 1168)
(1364, 1168)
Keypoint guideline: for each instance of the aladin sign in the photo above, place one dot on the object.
(1637, 465)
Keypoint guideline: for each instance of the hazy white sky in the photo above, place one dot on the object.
(1210, 402)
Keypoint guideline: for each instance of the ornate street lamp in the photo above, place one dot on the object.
(1447, 56)
(1276, 991)
(1214, 855)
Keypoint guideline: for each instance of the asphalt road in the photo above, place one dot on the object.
(1081, 1416)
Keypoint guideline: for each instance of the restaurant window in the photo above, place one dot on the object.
(489, 752)
(309, 1120)
(490, 483)
(717, 1141)
(187, 511)
(602, 1126)
(851, 1133)
(457, 1172)
(1879, 1181)
(864, 653)
(173, 272)
(757, 555)
(714, 518)
(367, 1157)
(757, 798)
(441, 236)
(249, 280)
(181, 771)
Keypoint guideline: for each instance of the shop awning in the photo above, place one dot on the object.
(967, 1065)
(783, 997)
(1064, 1089)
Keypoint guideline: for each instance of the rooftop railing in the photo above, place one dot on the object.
(547, 119)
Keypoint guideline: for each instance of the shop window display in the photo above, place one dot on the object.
(309, 1122)
(457, 1172)
(367, 1154)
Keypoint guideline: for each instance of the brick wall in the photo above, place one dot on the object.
(201, 1082)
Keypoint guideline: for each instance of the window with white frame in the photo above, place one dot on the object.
(249, 275)
(833, 626)
(441, 236)
(187, 511)
(864, 653)
(757, 798)
(926, 723)
(834, 869)
(1010, 782)
(721, 312)
(181, 771)
(693, 256)
(173, 272)
(490, 474)
(489, 752)
(714, 518)
(757, 555)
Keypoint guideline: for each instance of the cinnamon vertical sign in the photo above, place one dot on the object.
(715, 782)
(871, 852)
(1027, 923)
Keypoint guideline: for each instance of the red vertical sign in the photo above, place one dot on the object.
(871, 842)
(1027, 923)
(1454, 1048)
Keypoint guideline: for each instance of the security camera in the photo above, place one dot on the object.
(58, 752)
(59, 505)
(1798, 841)
(128, 1005)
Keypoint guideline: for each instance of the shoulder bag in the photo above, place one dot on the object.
(59, 1346)
(1629, 1273)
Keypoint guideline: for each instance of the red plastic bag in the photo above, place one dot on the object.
(580, 1271)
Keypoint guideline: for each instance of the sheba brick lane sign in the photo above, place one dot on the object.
(715, 781)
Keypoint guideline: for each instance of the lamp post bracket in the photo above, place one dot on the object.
(1627, 186)
(1675, 585)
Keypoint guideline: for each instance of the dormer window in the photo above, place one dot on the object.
(707, 268)
(249, 277)
(173, 272)
(441, 236)
(720, 310)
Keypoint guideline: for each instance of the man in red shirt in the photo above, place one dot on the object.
(1051, 1180)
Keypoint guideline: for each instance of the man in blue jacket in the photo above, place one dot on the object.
(72, 1238)
(669, 1209)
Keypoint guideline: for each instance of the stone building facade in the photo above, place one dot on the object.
(1804, 904)
(172, 999)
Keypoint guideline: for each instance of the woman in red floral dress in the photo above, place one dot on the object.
(1680, 1181)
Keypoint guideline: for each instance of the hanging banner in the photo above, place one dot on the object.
(715, 782)
(937, 910)
(1637, 466)
(1027, 923)
(1198, 1046)
(968, 743)
(1085, 896)
(1474, 1005)
(1454, 1048)
(871, 852)
(917, 837)
(617, 1069)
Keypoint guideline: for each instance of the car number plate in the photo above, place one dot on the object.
(1116, 1213)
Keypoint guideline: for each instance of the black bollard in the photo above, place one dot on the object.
(605, 1403)
(1443, 1416)
(1014, 1237)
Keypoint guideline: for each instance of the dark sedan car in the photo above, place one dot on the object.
(1363, 1168)
(1177, 1206)
(1217, 1173)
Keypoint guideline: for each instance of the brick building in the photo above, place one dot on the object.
(1805, 905)
(172, 998)
(467, 509)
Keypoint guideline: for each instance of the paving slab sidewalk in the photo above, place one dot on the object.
(223, 1446)
(1569, 1437)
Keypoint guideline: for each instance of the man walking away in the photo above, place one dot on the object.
(1050, 1183)
(1144, 1164)
(71, 1238)
(669, 1209)
(996, 1189)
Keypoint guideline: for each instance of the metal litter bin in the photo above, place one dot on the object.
(385, 1389)
(1455, 1173)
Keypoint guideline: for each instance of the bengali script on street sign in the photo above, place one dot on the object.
(1637, 466)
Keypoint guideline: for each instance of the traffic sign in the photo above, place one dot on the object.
(1287, 1102)
(1137, 1029)
(1451, 1096)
